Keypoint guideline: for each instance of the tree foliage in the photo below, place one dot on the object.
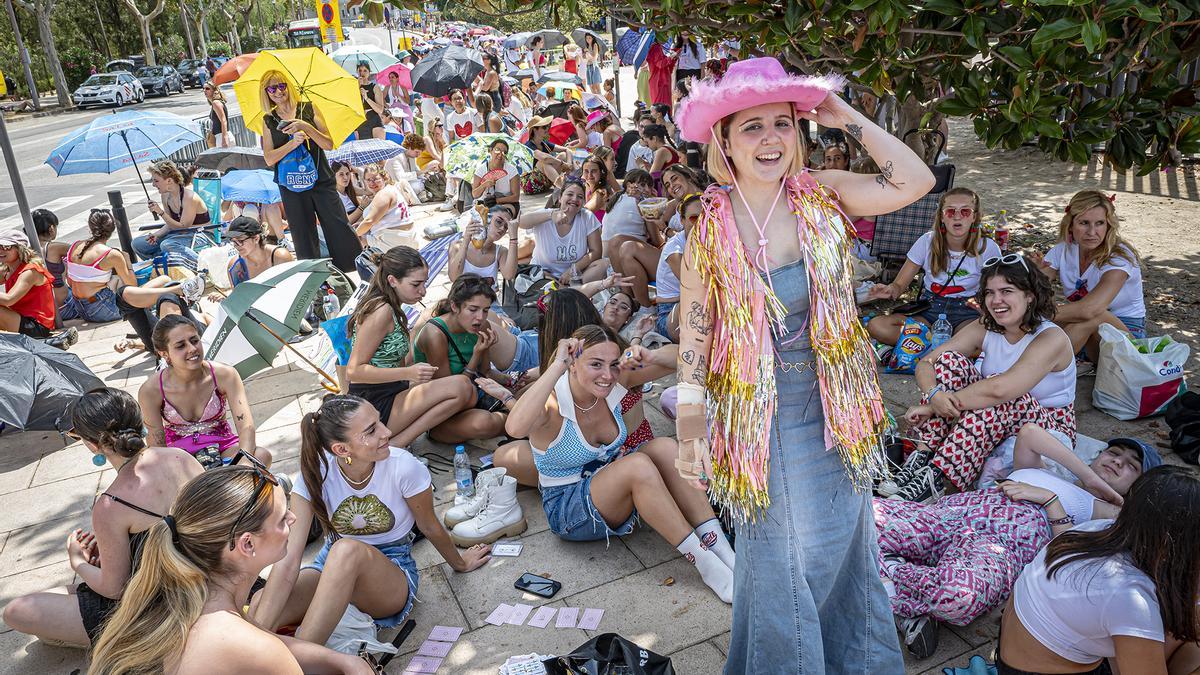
(1068, 75)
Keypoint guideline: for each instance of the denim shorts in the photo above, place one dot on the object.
(572, 517)
(957, 310)
(664, 314)
(593, 74)
(527, 355)
(1136, 327)
(101, 308)
(400, 554)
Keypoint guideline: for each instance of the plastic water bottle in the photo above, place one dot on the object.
(942, 330)
(331, 305)
(1001, 235)
(462, 473)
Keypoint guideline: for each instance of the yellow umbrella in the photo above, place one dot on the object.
(319, 81)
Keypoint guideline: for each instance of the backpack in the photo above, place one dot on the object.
(519, 297)
(435, 187)
(297, 170)
(1183, 417)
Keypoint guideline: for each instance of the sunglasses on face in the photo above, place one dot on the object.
(965, 212)
(239, 241)
(276, 88)
(263, 480)
(1010, 259)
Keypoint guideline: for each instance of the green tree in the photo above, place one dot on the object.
(143, 22)
(1067, 74)
(41, 10)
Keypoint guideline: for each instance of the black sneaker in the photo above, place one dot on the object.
(916, 461)
(920, 636)
(64, 339)
(924, 488)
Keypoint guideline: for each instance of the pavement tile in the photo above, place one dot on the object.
(580, 566)
(949, 647)
(648, 546)
(64, 462)
(47, 502)
(697, 659)
(40, 545)
(282, 441)
(659, 617)
(277, 413)
(25, 654)
(19, 456)
(721, 642)
(33, 581)
(981, 631)
(435, 606)
(482, 651)
(277, 383)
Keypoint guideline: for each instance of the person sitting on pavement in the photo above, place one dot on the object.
(567, 238)
(625, 223)
(27, 301)
(409, 400)
(1113, 595)
(370, 499)
(957, 559)
(549, 159)
(456, 342)
(572, 416)
(182, 611)
(90, 268)
(188, 404)
(255, 255)
(950, 255)
(343, 175)
(479, 252)
(109, 423)
(1100, 272)
(1026, 377)
(595, 176)
(181, 210)
(387, 221)
(666, 297)
(46, 224)
(497, 180)
(655, 138)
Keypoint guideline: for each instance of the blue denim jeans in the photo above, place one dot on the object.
(662, 321)
(807, 597)
(180, 243)
(571, 515)
(1135, 325)
(100, 308)
(527, 355)
(398, 553)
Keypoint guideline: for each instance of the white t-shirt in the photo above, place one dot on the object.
(1077, 613)
(638, 151)
(1077, 502)
(692, 57)
(430, 112)
(966, 279)
(504, 186)
(624, 219)
(595, 140)
(556, 253)
(459, 125)
(512, 59)
(1129, 303)
(376, 513)
(666, 283)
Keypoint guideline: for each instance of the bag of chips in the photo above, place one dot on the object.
(915, 339)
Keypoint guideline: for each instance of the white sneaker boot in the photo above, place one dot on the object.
(500, 516)
(465, 508)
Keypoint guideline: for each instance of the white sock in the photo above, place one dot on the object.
(714, 572)
(713, 538)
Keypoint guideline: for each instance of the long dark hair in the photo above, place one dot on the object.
(351, 192)
(567, 310)
(101, 225)
(43, 221)
(399, 262)
(465, 287)
(1025, 277)
(158, 339)
(109, 418)
(318, 432)
(1156, 528)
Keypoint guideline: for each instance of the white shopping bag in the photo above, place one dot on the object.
(356, 628)
(1138, 377)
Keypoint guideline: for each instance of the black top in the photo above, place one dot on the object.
(623, 149)
(202, 218)
(214, 120)
(368, 91)
(278, 139)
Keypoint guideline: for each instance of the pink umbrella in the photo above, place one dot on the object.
(404, 71)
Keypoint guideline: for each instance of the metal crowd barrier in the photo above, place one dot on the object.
(237, 126)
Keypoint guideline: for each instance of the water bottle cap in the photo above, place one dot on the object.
(941, 317)
(459, 448)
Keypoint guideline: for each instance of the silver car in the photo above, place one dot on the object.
(114, 89)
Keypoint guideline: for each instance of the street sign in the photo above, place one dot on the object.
(329, 20)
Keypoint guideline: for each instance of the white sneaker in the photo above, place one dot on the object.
(466, 508)
(447, 205)
(501, 516)
(193, 287)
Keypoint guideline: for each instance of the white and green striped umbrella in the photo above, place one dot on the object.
(262, 314)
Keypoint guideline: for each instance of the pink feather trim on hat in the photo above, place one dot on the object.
(747, 84)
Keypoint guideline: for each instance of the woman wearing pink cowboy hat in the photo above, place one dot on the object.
(780, 415)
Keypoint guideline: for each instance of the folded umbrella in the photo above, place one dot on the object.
(320, 82)
(256, 186)
(561, 130)
(232, 69)
(230, 159)
(40, 384)
(446, 69)
(366, 151)
(463, 157)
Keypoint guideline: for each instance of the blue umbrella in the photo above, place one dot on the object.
(257, 186)
(633, 47)
(113, 142)
(366, 151)
(516, 40)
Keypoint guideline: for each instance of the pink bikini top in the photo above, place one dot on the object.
(212, 421)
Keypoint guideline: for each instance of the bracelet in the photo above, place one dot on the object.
(1050, 501)
(937, 388)
(638, 338)
(1065, 520)
(509, 399)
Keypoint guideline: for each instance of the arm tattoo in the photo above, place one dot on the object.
(688, 357)
(698, 319)
(241, 418)
(855, 132)
(700, 374)
(885, 175)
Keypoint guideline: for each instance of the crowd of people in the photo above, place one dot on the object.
(662, 249)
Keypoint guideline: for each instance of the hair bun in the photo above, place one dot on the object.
(128, 442)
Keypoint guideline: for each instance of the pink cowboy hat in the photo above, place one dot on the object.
(746, 84)
(594, 117)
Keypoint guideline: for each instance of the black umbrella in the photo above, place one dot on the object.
(553, 38)
(522, 74)
(578, 34)
(560, 76)
(445, 69)
(231, 159)
(38, 383)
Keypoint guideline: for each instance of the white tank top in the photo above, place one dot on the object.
(488, 272)
(397, 217)
(1055, 389)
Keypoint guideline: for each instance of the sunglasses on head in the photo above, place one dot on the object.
(1010, 259)
(263, 478)
(276, 88)
(964, 212)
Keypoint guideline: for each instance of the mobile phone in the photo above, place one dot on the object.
(283, 124)
(532, 583)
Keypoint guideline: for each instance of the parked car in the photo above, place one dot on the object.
(115, 89)
(160, 79)
(193, 72)
(126, 65)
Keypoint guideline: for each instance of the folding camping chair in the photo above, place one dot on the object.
(897, 231)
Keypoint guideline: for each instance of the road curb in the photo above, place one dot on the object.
(16, 118)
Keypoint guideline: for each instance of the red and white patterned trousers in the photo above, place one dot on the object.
(961, 446)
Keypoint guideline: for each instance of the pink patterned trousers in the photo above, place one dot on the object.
(958, 558)
(961, 446)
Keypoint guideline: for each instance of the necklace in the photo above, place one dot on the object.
(583, 409)
(356, 483)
